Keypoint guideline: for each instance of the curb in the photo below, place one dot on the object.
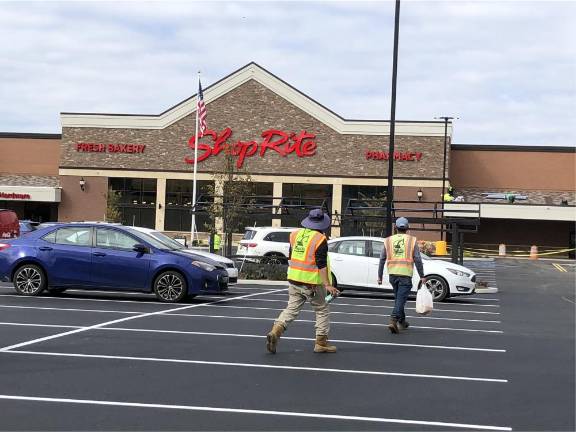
(489, 290)
(260, 282)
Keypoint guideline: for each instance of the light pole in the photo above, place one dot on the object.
(390, 188)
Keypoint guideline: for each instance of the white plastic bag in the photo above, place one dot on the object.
(424, 301)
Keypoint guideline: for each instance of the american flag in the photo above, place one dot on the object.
(202, 126)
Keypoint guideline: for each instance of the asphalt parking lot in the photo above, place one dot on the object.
(97, 361)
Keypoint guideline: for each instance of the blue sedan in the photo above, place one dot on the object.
(105, 256)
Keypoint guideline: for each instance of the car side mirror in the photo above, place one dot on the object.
(140, 248)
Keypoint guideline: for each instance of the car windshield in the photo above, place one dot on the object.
(249, 235)
(150, 238)
(169, 241)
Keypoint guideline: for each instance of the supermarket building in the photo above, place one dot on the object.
(292, 146)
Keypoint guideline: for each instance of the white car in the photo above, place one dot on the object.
(168, 241)
(354, 263)
(273, 243)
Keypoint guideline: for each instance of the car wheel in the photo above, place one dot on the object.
(334, 281)
(29, 280)
(56, 291)
(170, 287)
(437, 287)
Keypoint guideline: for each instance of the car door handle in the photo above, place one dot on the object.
(45, 248)
(99, 254)
(338, 259)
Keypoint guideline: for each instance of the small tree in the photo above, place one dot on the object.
(113, 213)
(230, 201)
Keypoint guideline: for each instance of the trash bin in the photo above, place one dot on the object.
(441, 248)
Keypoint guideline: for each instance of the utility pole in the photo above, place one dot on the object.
(390, 189)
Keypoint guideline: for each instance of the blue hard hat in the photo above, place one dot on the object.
(402, 223)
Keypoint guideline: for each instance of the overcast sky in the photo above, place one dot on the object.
(507, 69)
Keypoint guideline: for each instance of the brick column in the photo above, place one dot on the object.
(277, 192)
(336, 206)
(160, 203)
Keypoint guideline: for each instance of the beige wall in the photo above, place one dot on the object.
(87, 205)
(524, 170)
(29, 156)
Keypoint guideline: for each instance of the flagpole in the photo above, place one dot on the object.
(193, 224)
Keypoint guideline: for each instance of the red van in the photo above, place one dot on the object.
(9, 226)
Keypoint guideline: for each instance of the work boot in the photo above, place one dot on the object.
(393, 325)
(322, 345)
(273, 336)
(403, 325)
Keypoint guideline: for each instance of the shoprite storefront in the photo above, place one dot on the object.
(291, 146)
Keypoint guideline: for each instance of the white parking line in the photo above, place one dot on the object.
(409, 301)
(21, 344)
(331, 322)
(338, 303)
(195, 333)
(260, 366)
(332, 312)
(68, 309)
(249, 411)
(237, 307)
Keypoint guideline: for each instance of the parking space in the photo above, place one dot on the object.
(87, 361)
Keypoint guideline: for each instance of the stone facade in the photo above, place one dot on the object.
(248, 110)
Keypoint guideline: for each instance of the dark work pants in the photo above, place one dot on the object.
(402, 286)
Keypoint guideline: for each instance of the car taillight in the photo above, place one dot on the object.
(251, 245)
(4, 246)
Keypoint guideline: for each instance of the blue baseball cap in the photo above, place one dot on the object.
(402, 223)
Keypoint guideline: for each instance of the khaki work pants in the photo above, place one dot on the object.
(297, 297)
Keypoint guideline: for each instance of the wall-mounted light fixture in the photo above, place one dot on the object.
(82, 183)
(419, 194)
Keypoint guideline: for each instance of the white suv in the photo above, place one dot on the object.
(273, 243)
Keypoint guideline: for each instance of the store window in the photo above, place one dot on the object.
(259, 195)
(363, 222)
(296, 194)
(137, 200)
(179, 204)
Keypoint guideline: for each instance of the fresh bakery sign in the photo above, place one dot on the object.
(284, 143)
(109, 148)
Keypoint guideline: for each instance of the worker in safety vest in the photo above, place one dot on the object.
(217, 242)
(401, 254)
(309, 278)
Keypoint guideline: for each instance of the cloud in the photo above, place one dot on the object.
(506, 68)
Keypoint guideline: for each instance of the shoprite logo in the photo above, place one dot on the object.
(17, 196)
(283, 143)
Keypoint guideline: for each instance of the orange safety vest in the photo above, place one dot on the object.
(400, 254)
(302, 264)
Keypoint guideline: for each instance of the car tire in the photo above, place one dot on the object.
(334, 281)
(29, 280)
(170, 287)
(438, 287)
(56, 291)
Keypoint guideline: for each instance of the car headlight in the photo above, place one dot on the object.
(458, 272)
(204, 266)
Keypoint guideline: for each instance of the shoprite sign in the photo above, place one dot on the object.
(281, 142)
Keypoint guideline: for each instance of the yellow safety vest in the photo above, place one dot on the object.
(217, 241)
(448, 197)
(302, 264)
(400, 254)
